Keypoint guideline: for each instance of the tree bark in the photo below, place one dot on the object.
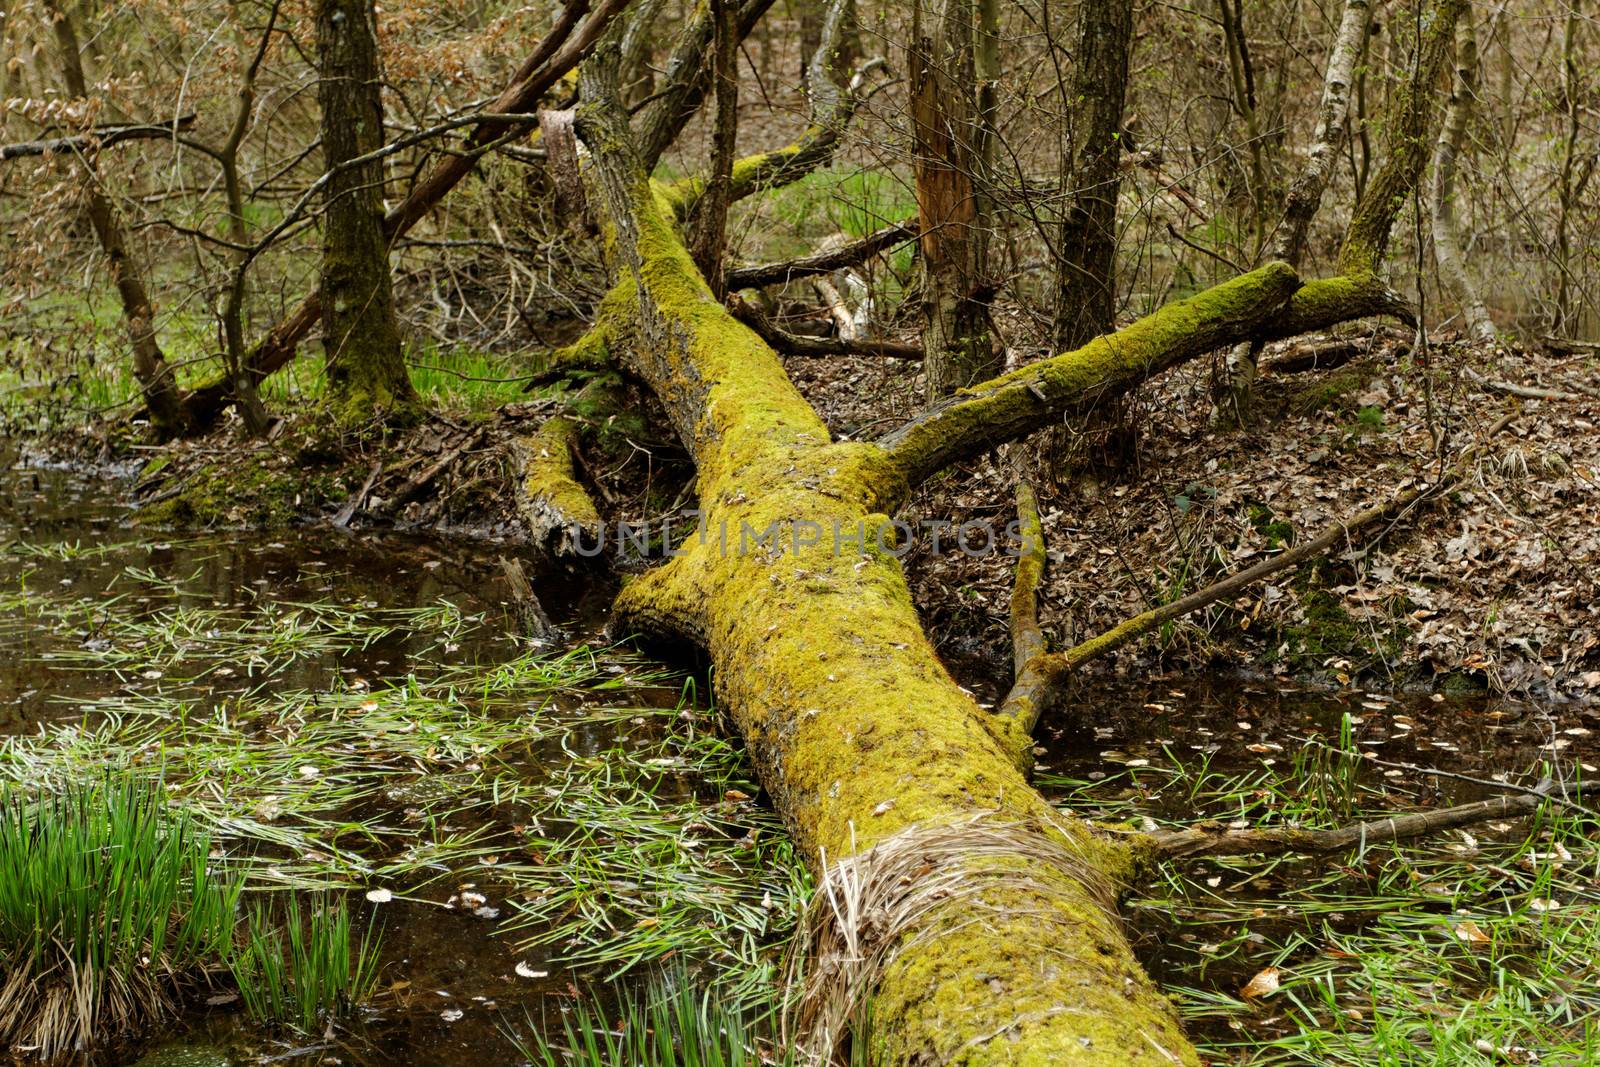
(1568, 187)
(710, 215)
(155, 376)
(365, 363)
(1408, 124)
(954, 230)
(1305, 194)
(1086, 280)
(1452, 140)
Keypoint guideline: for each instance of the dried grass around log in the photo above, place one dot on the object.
(872, 906)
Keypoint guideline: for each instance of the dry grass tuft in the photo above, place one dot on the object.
(872, 906)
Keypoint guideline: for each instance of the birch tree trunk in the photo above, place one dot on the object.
(1305, 195)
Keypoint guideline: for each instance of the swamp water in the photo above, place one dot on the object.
(522, 824)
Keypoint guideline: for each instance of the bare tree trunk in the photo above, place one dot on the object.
(710, 216)
(1452, 139)
(1086, 263)
(1086, 279)
(955, 230)
(1242, 75)
(236, 355)
(150, 368)
(1408, 126)
(366, 366)
(1566, 192)
(1327, 138)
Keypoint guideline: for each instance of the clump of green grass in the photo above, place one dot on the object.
(675, 1022)
(108, 910)
(464, 377)
(307, 968)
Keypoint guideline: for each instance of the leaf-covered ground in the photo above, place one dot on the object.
(1493, 586)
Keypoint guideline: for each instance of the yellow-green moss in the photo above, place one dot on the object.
(1003, 407)
(549, 479)
(857, 728)
(1092, 1005)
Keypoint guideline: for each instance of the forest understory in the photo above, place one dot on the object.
(1492, 589)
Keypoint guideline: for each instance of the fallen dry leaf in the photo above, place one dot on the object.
(1264, 984)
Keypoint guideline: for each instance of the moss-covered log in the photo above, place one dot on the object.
(866, 744)
(856, 728)
(1032, 397)
(555, 507)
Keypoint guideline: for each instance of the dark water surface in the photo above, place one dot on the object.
(67, 542)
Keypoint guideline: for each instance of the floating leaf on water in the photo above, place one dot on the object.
(1264, 984)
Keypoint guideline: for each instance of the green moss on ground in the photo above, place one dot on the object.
(1335, 393)
(1278, 533)
(264, 485)
(1330, 634)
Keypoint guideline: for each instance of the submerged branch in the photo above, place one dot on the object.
(1209, 840)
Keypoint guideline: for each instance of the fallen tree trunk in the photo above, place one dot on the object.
(856, 728)
(1002, 944)
(866, 744)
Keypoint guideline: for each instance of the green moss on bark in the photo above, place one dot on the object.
(857, 729)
